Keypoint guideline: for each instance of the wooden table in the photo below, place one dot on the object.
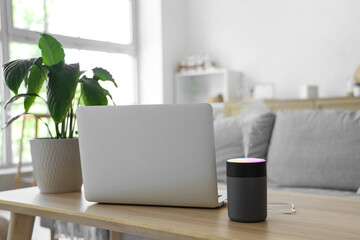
(318, 217)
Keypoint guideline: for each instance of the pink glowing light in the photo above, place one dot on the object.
(246, 160)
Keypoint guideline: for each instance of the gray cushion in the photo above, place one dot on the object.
(232, 133)
(315, 148)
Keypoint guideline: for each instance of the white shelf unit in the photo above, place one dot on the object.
(198, 86)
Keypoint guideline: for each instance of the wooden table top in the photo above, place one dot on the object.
(317, 217)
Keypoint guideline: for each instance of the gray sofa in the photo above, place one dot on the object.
(309, 151)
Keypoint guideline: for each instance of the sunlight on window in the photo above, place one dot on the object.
(28, 15)
(121, 66)
(23, 50)
(106, 20)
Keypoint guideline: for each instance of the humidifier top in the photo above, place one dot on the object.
(246, 160)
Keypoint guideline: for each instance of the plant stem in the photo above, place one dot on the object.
(63, 132)
(74, 123)
(78, 103)
(71, 123)
(67, 123)
(57, 130)
(72, 126)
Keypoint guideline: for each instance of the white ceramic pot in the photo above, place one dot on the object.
(56, 164)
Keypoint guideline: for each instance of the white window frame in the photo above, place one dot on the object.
(11, 34)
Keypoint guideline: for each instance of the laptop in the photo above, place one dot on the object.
(149, 154)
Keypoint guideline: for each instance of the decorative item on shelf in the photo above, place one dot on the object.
(356, 90)
(198, 62)
(218, 99)
(195, 87)
(349, 87)
(356, 87)
(357, 75)
(56, 160)
(308, 91)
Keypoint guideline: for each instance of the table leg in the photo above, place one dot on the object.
(20, 227)
(115, 235)
(52, 235)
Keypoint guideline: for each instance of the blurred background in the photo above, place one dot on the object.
(182, 51)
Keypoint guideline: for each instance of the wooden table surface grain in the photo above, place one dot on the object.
(317, 217)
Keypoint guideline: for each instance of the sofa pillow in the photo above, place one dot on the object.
(232, 134)
(315, 148)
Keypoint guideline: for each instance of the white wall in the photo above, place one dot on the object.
(175, 26)
(162, 42)
(286, 42)
(150, 53)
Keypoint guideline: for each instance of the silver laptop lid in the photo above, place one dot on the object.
(149, 154)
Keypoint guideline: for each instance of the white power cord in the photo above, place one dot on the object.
(292, 211)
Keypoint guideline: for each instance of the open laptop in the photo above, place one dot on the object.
(149, 154)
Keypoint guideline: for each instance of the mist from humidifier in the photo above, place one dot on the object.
(249, 114)
(246, 139)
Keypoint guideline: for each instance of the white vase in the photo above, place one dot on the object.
(356, 91)
(56, 164)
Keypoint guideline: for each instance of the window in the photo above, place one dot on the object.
(93, 33)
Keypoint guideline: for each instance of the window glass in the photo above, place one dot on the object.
(29, 15)
(105, 20)
(23, 50)
(121, 66)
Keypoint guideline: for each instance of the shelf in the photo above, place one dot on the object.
(199, 86)
(209, 71)
(218, 105)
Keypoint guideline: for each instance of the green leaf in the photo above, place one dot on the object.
(93, 93)
(35, 81)
(38, 62)
(13, 99)
(108, 94)
(15, 72)
(104, 75)
(51, 50)
(61, 89)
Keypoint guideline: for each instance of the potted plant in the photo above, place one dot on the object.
(56, 160)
